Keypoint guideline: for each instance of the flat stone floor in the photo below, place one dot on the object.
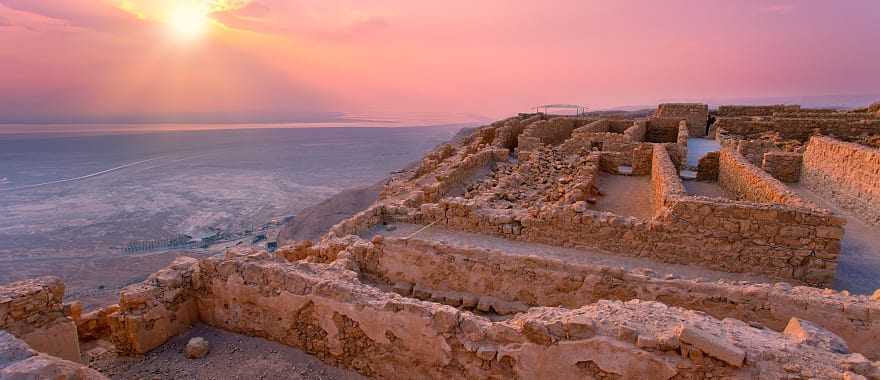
(625, 195)
(231, 356)
(706, 189)
(858, 268)
(698, 147)
(569, 255)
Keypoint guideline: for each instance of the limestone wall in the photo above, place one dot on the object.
(666, 185)
(636, 132)
(748, 182)
(500, 281)
(548, 132)
(845, 173)
(780, 240)
(707, 168)
(157, 309)
(328, 312)
(662, 130)
(696, 115)
(784, 166)
(682, 144)
(734, 111)
(800, 128)
(32, 311)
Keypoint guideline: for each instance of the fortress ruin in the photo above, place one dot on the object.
(691, 244)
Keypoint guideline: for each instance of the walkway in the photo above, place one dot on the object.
(858, 268)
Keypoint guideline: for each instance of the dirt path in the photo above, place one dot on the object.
(569, 255)
(231, 356)
(858, 268)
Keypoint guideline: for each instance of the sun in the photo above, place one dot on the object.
(188, 21)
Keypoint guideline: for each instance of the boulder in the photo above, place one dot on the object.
(197, 348)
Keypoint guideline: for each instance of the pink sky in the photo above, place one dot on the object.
(269, 59)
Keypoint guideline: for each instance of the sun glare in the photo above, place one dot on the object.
(188, 21)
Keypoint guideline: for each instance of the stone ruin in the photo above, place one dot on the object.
(512, 253)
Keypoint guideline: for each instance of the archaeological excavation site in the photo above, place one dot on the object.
(737, 242)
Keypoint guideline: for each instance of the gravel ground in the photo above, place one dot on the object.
(231, 356)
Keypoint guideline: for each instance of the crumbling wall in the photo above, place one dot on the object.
(847, 174)
(493, 280)
(784, 166)
(159, 308)
(696, 115)
(548, 132)
(32, 311)
(780, 240)
(326, 311)
(636, 132)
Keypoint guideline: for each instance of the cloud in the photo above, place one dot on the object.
(91, 14)
(4, 21)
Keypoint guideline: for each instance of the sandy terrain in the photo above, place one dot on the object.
(625, 195)
(231, 356)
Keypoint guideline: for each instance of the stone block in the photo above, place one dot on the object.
(712, 345)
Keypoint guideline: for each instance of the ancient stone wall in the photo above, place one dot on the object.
(784, 166)
(666, 186)
(754, 150)
(620, 125)
(682, 142)
(662, 130)
(32, 311)
(707, 168)
(847, 174)
(736, 111)
(508, 283)
(636, 132)
(157, 309)
(696, 115)
(328, 312)
(742, 126)
(748, 182)
(800, 128)
(548, 132)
